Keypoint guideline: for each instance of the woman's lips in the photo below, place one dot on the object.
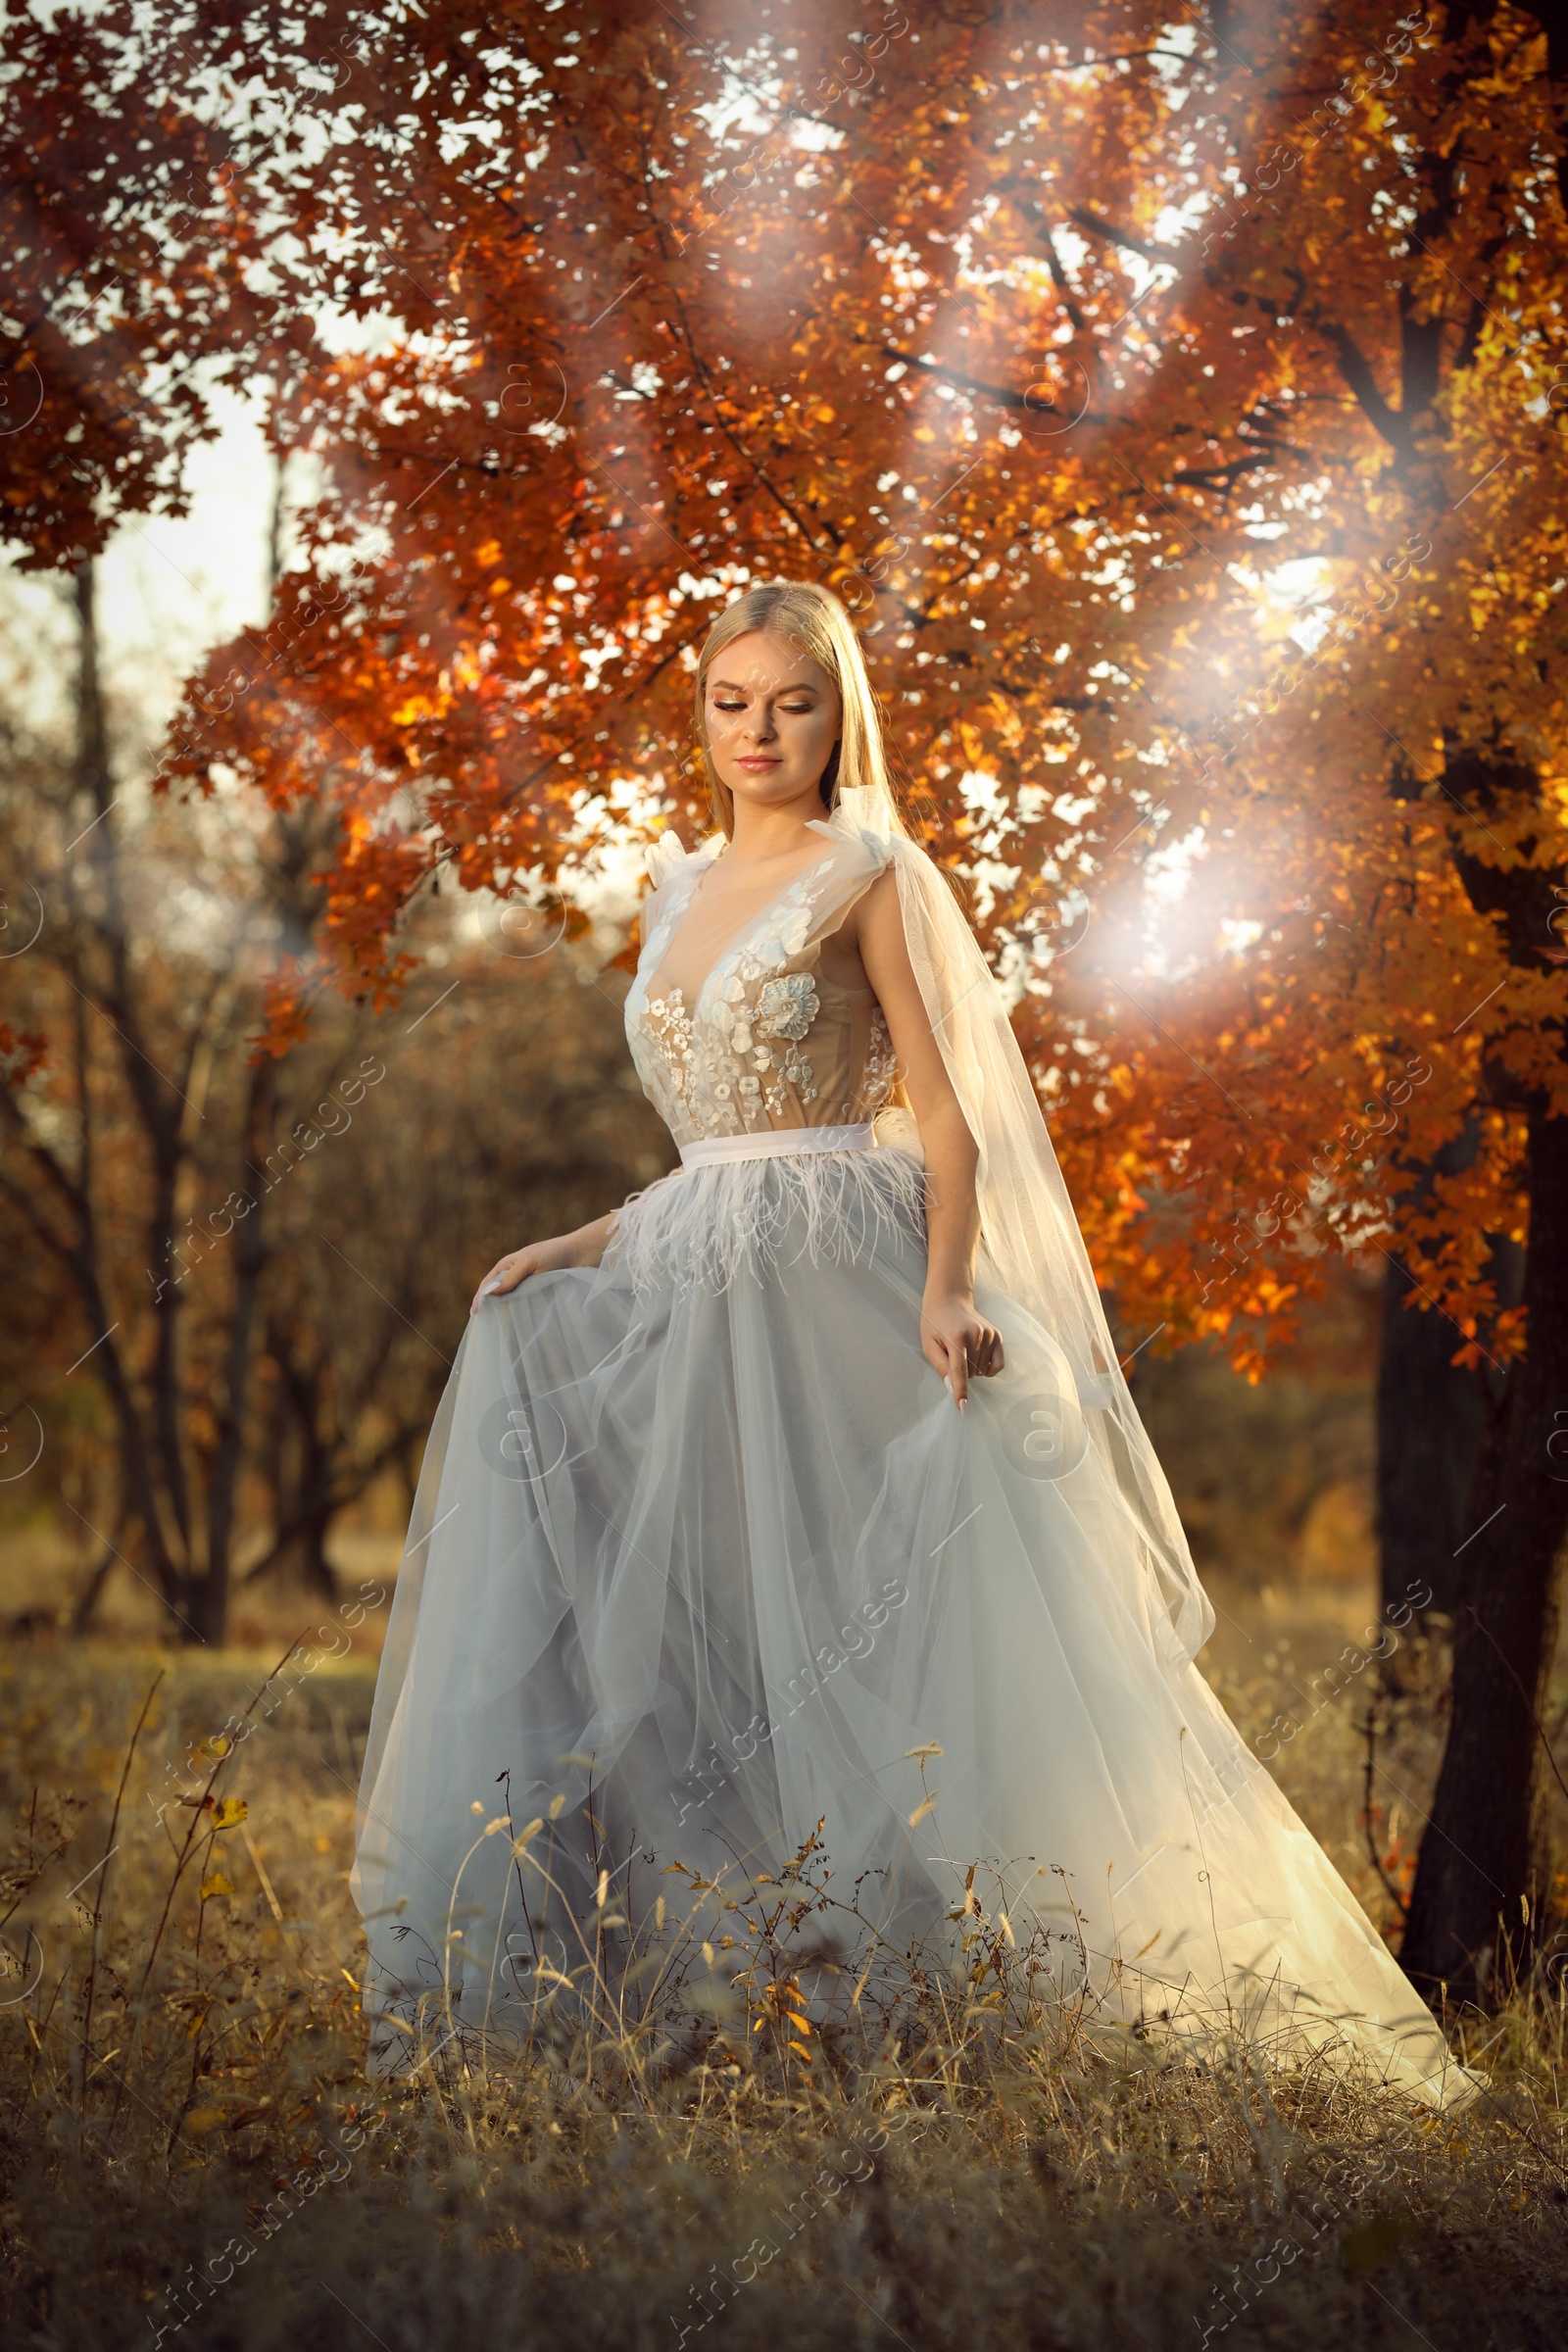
(759, 762)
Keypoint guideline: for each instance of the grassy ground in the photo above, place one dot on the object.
(192, 2150)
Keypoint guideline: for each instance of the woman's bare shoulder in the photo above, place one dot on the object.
(877, 904)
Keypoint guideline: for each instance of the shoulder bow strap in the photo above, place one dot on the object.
(663, 858)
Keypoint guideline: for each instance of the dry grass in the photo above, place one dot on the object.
(998, 2175)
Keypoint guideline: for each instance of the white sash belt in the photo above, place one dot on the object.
(781, 1142)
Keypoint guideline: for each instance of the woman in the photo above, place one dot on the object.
(805, 1489)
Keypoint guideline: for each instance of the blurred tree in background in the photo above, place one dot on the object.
(246, 1271)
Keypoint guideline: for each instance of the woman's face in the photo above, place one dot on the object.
(773, 715)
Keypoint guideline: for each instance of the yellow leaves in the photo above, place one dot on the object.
(230, 1812)
(201, 2119)
(216, 1884)
(488, 555)
(781, 2005)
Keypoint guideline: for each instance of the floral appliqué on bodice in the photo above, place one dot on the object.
(771, 1041)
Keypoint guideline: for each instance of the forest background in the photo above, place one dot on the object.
(1174, 395)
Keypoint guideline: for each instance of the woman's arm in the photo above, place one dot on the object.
(959, 1343)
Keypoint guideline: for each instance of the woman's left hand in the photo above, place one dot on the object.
(959, 1343)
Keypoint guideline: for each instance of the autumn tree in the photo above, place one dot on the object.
(639, 358)
(254, 1259)
(1384, 808)
(135, 1119)
(510, 1110)
(133, 289)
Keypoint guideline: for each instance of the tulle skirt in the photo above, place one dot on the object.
(705, 1567)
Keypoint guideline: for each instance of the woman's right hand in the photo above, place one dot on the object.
(584, 1247)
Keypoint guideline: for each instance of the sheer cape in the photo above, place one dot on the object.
(1032, 1249)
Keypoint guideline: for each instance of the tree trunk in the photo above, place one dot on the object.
(318, 1569)
(81, 1615)
(1431, 1418)
(1482, 1875)
(251, 1253)
(1429, 1431)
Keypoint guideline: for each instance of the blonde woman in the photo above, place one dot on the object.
(805, 1489)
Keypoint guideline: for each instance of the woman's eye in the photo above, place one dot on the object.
(730, 706)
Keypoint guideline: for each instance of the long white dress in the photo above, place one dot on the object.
(702, 1556)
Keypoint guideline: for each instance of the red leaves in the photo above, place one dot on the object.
(634, 363)
(22, 1052)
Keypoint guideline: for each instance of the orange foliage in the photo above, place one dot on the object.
(1043, 333)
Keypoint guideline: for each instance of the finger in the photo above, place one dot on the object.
(958, 1371)
(503, 1275)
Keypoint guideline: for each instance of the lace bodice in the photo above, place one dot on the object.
(771, 1041)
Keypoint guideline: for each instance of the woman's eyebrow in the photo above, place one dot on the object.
(728, 686)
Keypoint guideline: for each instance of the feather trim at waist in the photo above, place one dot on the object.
(709, 1223)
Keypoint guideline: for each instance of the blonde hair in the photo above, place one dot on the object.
(813, 618)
